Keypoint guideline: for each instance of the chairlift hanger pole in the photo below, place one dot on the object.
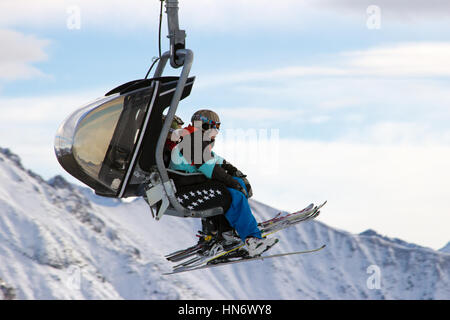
(177, 37)
(179, 56)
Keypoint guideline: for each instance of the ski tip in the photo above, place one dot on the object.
(321, 205)
(172, 273)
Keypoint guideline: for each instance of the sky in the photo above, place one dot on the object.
(345, 101)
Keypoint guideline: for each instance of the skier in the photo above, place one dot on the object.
(173, 137)
(194, 154)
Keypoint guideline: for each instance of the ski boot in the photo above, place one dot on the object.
(256, 246)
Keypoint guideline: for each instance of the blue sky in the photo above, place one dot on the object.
(362, 114)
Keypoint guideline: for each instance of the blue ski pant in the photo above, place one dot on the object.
(240, 216)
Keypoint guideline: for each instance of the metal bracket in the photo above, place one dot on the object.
(158, 193)
(177, 37)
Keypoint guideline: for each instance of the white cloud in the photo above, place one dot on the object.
(255, 114)
(408, 59)
(205, 15)
(399, 82)
(397, 133)
(43, 109)
(243, 15)
(18, 53)
(406, 10)
(332, 104)
(274, 75)
(45, 13)
(423, 59)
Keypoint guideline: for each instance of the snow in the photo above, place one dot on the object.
(446, 248)
(60, 241)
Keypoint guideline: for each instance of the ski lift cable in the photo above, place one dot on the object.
(156, 59)
(159, 32)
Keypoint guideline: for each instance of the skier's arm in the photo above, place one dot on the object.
(221, 175)
(232, 170)
(229, 168)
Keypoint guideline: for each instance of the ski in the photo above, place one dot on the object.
(278, 216)
(182, 254)
(268, 227)
(291, 219)
(268, 231)
(263, 226)
(238, 260)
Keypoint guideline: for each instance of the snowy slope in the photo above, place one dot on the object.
(59, 241)
(446, 248)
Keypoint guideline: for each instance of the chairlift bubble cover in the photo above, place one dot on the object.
(110, 144)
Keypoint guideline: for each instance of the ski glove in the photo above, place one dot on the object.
(221, 175)
(229, 168)
(232, 170)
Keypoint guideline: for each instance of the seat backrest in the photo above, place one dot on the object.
(182, 179)
(147, 157)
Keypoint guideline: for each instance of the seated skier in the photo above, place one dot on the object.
(173, 137)
(194, 154)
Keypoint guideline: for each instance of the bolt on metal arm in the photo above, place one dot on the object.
(177, 37)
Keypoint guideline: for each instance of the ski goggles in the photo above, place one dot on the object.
(209, 124)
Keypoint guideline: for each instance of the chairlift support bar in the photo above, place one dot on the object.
(179, 56)
(177, 37)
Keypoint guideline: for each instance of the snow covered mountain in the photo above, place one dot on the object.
(446, 248)
(60, 241)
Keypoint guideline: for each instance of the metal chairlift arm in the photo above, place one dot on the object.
(177, 37)
(179, 56)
